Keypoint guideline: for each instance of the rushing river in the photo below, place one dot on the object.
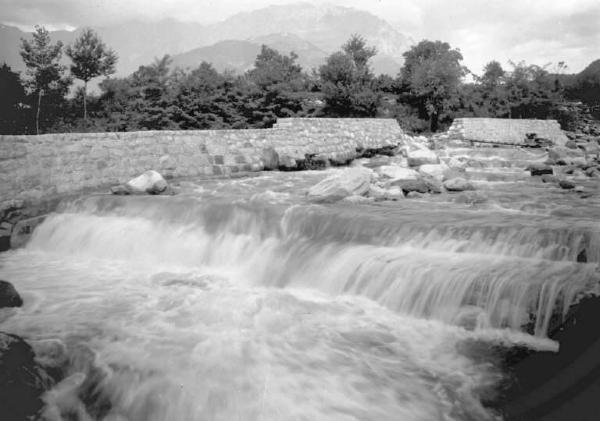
(240, 300)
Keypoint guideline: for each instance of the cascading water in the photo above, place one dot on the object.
(240, 300)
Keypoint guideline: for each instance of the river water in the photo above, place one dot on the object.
(240, 300)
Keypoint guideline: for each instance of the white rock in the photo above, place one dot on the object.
(458, 184)
(422, 157)
(353, 181)
(455, 162)
(149, 182)
(434, 170)
(395, 172)
(394, 193)
(377, 192)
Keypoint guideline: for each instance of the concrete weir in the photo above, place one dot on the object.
(36, 170)
(502, 131)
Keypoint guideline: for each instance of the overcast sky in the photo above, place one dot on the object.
(537, 31)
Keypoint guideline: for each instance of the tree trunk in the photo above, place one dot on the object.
(85, 101)
(433, 122)
(37, 112)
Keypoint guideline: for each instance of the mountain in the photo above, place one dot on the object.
(312, 31)
(233, 55)
(239, 56)
(10, 46)
(325, 26)
(309, 55)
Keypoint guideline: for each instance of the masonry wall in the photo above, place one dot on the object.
(36, 167)
(503, 131)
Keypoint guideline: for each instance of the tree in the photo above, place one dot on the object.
(492, 74)
(531, 91)
(347, 81)
(280, 82)
(432, 73)
(91, 58)
(152, 103)
(273, 68)
(11, 101)
(198, 98)
(586, 86)
(356, 48)
(44, 71)
(492, 91)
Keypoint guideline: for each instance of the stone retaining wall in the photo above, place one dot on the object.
(502, 131)
(35, 169)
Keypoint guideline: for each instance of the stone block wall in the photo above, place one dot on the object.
(335, 138)
(502, 131)
(55, 164)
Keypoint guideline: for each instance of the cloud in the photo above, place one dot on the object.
(538, 31)
(531, 30)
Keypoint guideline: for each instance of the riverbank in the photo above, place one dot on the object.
(282, 284)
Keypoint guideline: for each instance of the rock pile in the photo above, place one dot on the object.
(414, 172)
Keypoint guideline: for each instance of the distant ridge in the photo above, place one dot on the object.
(312, 31)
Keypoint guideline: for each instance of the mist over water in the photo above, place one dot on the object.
(240, 300)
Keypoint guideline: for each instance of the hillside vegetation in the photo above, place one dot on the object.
(427, 93)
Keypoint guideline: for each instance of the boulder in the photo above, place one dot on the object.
(394, 193)
(579, 189)
(457, 163)
(376, 192)
(270, 159)
(22, 379)
(150, 182)
(547, 178)
(435, 171)
(414, 195)
(394, 173)
(376, 161)
(287, 163)
(566, 184)
(9, 297)
(353, 181)
(458, 184)
(408, 186)
(433, 184)
(5, 232)
(454, 172)
(539, 169)
(593, 172)
(120, 190)
(379, 193)
(422, 157)
(571, 144)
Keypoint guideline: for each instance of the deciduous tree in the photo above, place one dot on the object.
(11, 101)
(347, 81)
(91, 58)
(44, 71)
(432, 73)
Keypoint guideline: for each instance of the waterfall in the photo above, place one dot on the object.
(481, 272)
(231, 303)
